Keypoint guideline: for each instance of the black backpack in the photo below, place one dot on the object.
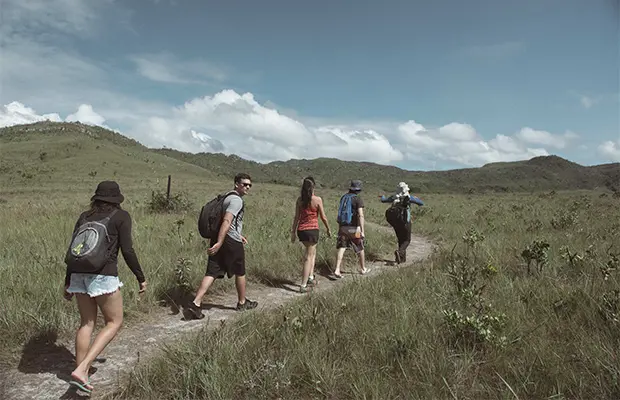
(88, 250)
(396, 215)
(211, 214)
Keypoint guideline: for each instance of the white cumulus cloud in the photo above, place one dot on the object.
(15, 113)
(460, 143)
(236, 123)
(86, 115)
(545, 138)
(610, 150)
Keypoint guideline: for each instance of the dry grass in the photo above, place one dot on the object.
(471, 323)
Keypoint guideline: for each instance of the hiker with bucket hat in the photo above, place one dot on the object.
(398, 215)
(92, 274)
(351, 227)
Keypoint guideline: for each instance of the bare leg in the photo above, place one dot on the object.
(308, 263)
(339, 257)
(88, 318)
(206, 283)
(240, 284)
(111, 306)
(362, 260)
(313, 261)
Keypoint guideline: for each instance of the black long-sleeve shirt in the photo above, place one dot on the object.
(119, 230)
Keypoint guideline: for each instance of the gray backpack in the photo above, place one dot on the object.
(89, 246)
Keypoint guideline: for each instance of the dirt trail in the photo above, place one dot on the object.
(45, 374)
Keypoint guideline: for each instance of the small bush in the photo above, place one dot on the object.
(160, 203)
(537, 252)
(564, 219)
(470, 274)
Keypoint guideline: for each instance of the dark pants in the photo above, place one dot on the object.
(403, 234)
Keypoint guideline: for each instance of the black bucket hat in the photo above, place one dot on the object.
(108, 191)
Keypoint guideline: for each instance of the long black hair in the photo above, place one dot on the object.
(307, 187)
(97, 206)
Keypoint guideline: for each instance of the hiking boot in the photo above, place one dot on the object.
(311, 280)
(248, 305)
(195, 311)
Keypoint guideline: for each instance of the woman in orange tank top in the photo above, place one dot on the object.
(308, 208)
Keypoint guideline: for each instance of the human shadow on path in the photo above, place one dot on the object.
(73, 394)
(188, 316)
(176, 298)
(268, 279)
(41, 354)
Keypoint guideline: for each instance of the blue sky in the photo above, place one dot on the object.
(421, 85)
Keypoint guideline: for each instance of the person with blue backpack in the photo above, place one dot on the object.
(351, 227)
(398, 215)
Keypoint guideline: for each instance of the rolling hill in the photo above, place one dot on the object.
(72, 157)
(536, 174)
(74, 152)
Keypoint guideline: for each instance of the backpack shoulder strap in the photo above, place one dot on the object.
(231, 193)
(107, 218)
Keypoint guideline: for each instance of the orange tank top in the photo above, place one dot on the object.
(308, 219)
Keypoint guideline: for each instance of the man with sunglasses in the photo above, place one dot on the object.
(227, 254)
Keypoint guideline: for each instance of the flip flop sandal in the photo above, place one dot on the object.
(81, 385)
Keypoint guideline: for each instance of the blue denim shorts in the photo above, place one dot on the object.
(93, 285)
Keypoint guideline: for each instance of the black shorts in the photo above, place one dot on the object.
(308, 236)
(229, 260)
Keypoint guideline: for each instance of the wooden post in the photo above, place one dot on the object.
(168, 190)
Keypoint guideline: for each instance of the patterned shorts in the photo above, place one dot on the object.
(350, 237)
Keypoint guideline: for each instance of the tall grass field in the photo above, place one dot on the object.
(172, 253)
(522, 302)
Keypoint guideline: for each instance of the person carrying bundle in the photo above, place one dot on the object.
(398, 215)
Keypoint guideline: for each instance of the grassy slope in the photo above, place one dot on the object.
(75, 157)
(537, 174)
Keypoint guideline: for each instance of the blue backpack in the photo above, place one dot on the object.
(345, 209)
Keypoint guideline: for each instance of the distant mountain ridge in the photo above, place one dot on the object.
(537, 174)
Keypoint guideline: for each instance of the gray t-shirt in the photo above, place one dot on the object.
(234, 205)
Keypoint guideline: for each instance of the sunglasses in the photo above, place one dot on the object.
(248, 185)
